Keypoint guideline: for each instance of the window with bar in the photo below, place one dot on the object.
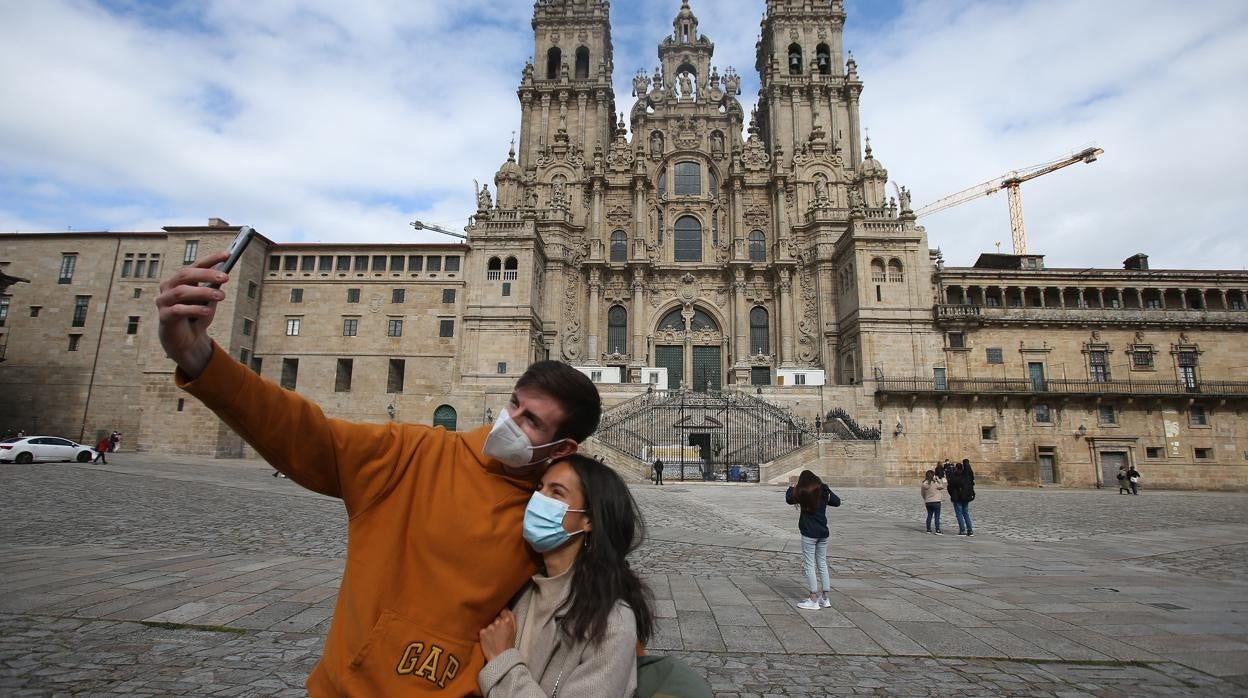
(1098, 366)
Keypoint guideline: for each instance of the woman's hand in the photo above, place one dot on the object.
(499, 636)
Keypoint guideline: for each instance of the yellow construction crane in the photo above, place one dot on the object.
(1011, 182)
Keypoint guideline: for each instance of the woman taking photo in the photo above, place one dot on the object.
(932, 491)
(813, 498)
(574, 630)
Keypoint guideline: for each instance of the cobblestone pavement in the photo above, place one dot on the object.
(184, 576)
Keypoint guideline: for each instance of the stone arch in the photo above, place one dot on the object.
(877, 269)
(582, 63)
(823, 59)
(493, 269)
(760, 331)
(554, 57)
(795, 59)
(446, 417)
(895, 271)
(700, 309)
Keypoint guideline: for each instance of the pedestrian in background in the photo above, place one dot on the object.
(1133, 479)
(813, 498)
(939, 472)
(932, 491)
(101, 447)
(961, 486)
(1122, 480)
(658, 471)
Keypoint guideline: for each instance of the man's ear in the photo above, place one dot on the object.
(565, 448)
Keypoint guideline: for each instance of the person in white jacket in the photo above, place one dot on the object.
(575, 629)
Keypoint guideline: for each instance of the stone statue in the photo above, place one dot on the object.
(686, 86)
(717, 144)
(656, 145)
(484, 202)
(855, 198)
(904, 194)
(641, 83)
(821, 188)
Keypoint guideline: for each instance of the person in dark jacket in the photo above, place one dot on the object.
(813, 498)
(1133, 479)
(658, 471)
(960, 483)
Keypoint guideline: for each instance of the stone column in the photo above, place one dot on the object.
(593, 317)
(1083, 303)
(855, 134)
(582, 102)
(545, 127)
(639, 319)
(1222, 296)
(1044, 303)
(787, 319)
(639, 221)
(741, 346)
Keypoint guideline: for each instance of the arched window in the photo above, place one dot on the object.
(688, 239)
(795, 59)
(619, 246)
(663, 181)
(493, 269)
(823, 58)
(510, 268)
(877, 271)
(894, 271)
(582, 63)
(849, 368)
(688, 178)
(714, 183)
(445, 417)
(700, 321)
(617, 330)
(758, 246)
(553, 58)
(760, 332)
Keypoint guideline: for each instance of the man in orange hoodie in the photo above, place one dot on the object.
(434, 545)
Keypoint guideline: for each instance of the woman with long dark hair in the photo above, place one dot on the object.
(575, 628)
(813, 498)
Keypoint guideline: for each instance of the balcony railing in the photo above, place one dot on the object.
(1057, 386)
(1075, 314)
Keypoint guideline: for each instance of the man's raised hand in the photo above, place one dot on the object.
(186, 307)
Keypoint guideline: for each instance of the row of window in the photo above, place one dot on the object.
(351, 327)
(397, 295)
(1142, 359)
(1106, 415)
(688, 243)
(363, 263)
(140, 265)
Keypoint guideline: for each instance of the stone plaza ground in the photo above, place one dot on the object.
(182, 576)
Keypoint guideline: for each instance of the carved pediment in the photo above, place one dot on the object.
(618, 215)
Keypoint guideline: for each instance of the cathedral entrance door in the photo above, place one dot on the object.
(706, 369)
(673, 359)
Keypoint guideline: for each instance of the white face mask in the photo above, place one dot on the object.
(508, 443)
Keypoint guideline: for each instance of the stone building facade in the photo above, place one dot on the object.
(710, 250)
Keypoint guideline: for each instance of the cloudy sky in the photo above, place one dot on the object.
(324, 120)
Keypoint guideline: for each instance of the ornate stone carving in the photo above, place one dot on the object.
(807, 343)
(571, 321)
(756, 216)
(618, 216)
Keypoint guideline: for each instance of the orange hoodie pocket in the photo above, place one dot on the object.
(399, 656)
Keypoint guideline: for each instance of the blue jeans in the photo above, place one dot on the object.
(815, 554)
(933, 512)
(962, 510)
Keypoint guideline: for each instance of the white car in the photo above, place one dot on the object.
(28, 449)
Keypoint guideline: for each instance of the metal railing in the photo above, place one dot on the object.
(734, 432)
(1059, 386)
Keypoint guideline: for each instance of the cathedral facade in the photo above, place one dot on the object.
(722, 248)
(748, 292)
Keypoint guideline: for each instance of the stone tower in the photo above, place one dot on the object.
(704, 250)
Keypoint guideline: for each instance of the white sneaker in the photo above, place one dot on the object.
(825, 603)
(809, 605)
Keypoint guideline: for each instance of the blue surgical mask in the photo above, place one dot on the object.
(543, 523)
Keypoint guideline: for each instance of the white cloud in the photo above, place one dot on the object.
(962, 92)
(322, 120)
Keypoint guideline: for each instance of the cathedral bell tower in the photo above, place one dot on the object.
(567, 88)
(806, 92)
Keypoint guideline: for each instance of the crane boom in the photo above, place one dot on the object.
(420, 225)
(1011, 182)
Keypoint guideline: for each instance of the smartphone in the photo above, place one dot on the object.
(245, 234)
